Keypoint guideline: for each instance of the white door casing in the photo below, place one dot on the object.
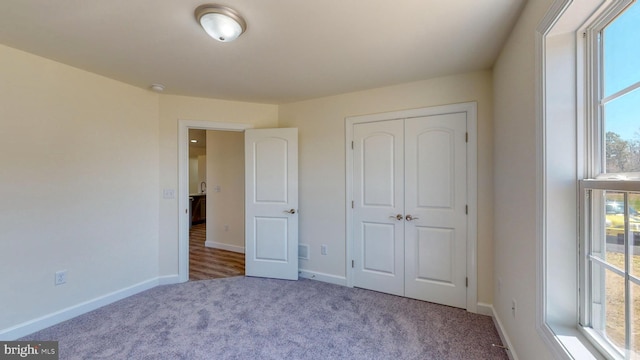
(271, 203)
(183, 184)
(443, 207)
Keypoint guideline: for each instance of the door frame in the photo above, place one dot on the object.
(472, 184)
(183, 183)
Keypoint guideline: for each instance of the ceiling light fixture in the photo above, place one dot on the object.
(157, 87)
(220, 22)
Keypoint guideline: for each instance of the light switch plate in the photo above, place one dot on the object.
(169, 193)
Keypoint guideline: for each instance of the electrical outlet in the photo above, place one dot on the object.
(323, 249)
(513, 307)
(61, 277)
(226, 227)
(499, 285)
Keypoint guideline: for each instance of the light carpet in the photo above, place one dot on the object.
(253, 318)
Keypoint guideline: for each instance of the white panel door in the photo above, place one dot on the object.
(378, 228)
(435, 201)
(271, 205)
(409, 212)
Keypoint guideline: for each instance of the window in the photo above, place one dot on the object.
(610, 196)
(619, 75)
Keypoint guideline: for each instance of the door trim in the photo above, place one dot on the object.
(472, 184)
(183, 183)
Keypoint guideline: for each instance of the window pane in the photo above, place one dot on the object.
(635, 321)
(622, 133)
(607, 304)
(634, 232)
(615, 309)
(621, 51)
(614, 228)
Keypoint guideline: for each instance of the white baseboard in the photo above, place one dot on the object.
(169, 279)
(503, 335)
(57, 317)
(333, 279)
(221, 246)
(484, 309)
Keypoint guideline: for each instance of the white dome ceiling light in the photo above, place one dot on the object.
(157, 87)
(220, 22)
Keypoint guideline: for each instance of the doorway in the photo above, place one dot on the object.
(216, 198)
(271, 198)
(184, 218)
(411, 213)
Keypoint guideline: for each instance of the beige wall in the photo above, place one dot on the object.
(225, 172)
(195, 177)
(173, 108)
(84, 195)
(515, 184)
(321, 124)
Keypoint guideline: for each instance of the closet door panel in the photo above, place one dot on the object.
(435, 201)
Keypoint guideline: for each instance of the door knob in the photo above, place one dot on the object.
(409, 217)
(292, 211)
(397, 217)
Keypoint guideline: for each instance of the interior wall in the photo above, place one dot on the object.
(322, 188)
(193, 174)
(202, 173)
(80, 189)
(225, 191)
(515, 184)
(172, 109)
(194, 171)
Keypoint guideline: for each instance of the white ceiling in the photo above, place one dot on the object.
(292, 49)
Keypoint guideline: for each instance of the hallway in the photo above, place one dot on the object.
(209, 263)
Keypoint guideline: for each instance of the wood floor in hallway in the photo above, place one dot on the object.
(210, 263)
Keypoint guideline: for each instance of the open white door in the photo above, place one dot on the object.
(271, 203)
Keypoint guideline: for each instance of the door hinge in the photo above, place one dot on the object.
(466, 137)
(352, 145)
(353, 205)
(466, 209)
(466, 282)
(353, 263)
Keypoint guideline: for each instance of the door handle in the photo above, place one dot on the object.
(292, 211)
(409, 217)
(397, 217)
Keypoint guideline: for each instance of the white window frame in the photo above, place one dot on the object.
(596, 157)
(596, 178)
(558, 304)
(594, 206)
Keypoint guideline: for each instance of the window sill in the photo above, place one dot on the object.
(575, 343)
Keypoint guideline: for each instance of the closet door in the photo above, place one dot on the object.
(435, 215)
(378, 221)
